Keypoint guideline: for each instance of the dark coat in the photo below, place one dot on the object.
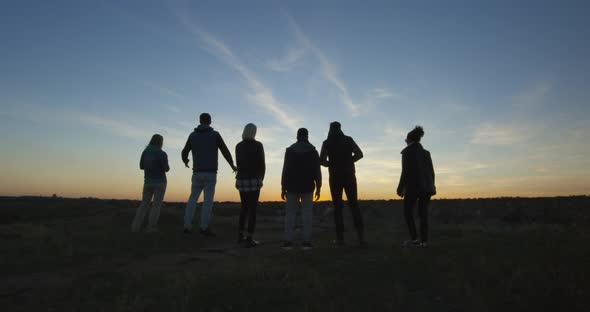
(250, 160)
(339, 153)
(301, 168)
(154, 163)
(204, 143)
(417, 178)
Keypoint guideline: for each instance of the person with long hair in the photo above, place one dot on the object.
(154, 163)
(339, 153)
(416, 185)
(249, 181)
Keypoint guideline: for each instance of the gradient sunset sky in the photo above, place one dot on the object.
(501, 88)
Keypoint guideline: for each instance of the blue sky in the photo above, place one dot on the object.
(501, 89)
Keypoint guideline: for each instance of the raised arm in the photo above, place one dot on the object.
(324, 156)
(357, 154)
(225, 152)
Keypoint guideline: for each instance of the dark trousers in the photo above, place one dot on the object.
(348, 185)
(249, 203)
(409, 204)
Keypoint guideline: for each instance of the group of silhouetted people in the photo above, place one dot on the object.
(301, 181)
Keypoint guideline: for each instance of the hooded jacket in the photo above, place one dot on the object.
(204, 144)
(417, 178)
(301, 168)
(154, 163)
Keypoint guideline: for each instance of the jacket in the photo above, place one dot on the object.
(250, 160)
(417, 178)
(339, 153)
(204, 144)
(301, 168)
(154, 163)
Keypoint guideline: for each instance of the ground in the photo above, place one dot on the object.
(79, 255)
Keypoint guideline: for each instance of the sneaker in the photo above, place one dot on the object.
(287, 246)
(250, 242)
(306, 246)
(338, 242)
(411, 243)
(241, 238)
(186, 231)
(207, 232)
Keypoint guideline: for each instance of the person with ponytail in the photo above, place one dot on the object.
(416, 185)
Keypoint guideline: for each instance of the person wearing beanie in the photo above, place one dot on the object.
(416, 185)
(339, 153)
(301, 175)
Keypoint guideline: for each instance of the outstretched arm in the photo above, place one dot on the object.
(356, 151)
(184, 154)
(225, 152)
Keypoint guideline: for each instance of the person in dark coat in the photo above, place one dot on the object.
(339, 153)
(251, 170)
(416, 185)
(154, 163)
(301, 175)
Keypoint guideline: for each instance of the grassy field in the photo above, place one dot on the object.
(79, 255)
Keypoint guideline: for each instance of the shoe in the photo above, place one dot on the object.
(250, 242)
(338, 242)
(186, 231)
(423, 244)
(287, 246)
(411, 243)
(207, 232)
(241, 238)
(151, 230)
(306, 246)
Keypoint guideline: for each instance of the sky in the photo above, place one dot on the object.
(502, 89)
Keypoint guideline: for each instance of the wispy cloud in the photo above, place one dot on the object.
(260, 94)
(329, 70)
(499, 134)
(532, 96)
(289, 61)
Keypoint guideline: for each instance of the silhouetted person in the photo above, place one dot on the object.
(204, 144)
(301, 175)
(339, 153)
(416, 184)
(251, 169)
(154, 163)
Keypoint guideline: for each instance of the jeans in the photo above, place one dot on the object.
(201, 182)
(156, 191)
(291, 213)
(249, 203)
(409, 204)
(348, 184)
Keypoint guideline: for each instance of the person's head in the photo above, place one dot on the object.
(335, 129)
(249, 132)
(205, 119)
(157, 140)
(302, 134)
(415, 135)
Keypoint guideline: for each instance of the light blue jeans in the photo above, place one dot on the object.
(201, 182)
(306, 214)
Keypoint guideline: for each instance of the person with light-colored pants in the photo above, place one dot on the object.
(306, 214)
(201, 182)
(155, 191)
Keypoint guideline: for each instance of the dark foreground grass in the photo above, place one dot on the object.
(93, 263)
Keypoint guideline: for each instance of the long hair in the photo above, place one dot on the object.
(335, 130)
(157, 140)
(249, 132)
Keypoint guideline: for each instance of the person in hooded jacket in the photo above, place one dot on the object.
(301, 175)
(204, 144)
(416, 185)
(339, 153)
(154, 163)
